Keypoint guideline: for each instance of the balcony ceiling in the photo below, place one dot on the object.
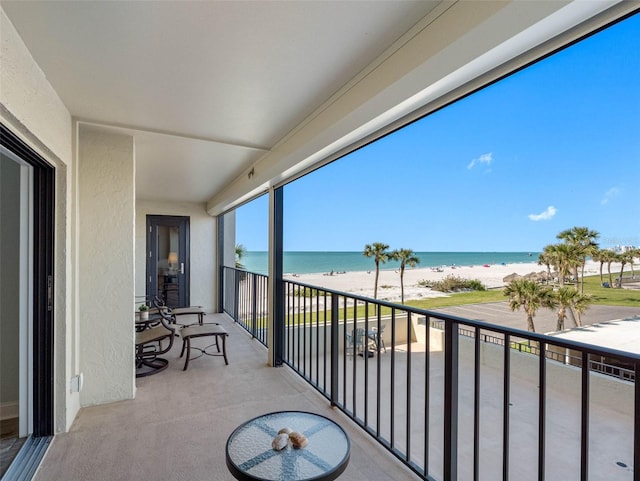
(211, 89)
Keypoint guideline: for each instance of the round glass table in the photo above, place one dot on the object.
(250, 456)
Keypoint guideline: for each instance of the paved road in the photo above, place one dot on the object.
(545, 320)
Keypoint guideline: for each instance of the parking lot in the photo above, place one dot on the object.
(545, 320)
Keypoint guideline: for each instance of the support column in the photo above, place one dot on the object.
(106, 199)
(276, 284)
(219, 302)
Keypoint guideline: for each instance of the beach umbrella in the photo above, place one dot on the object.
(511, 277)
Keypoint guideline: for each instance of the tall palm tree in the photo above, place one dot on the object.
(584, 241)
(605, 256)
(624, 258)
(634, 253)
(240, 252)
(610, 260)
(531, 296)
(600, 257)
(569, 299)
(407, 258)
(379, 252)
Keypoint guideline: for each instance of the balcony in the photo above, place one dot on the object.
(453, 398)
(178, 424)
(448, 399)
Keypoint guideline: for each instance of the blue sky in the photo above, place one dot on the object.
(554, 146)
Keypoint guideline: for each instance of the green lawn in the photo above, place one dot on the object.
(458, 299)
(601, 296)
(608, 296)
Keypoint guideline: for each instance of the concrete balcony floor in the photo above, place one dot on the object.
(177, 426)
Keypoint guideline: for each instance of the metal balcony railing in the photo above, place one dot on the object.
(454, 398)
(245, 300)
(566, 356)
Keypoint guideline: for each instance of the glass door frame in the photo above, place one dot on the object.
(41, 328)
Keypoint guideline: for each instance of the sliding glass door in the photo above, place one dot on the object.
(26, 299)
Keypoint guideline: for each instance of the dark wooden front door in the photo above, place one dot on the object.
(168, 259)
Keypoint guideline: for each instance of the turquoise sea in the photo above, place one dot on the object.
(317, 262)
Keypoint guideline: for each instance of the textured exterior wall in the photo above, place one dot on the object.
(106, 256)
(203, 241)
(26, 93)
(31, 108)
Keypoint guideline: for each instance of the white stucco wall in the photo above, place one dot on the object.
(27, 94)
(31, 108)
(94, 241)
(106, 198)
(203, 242)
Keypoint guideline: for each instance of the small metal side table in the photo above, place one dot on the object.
(250, 456)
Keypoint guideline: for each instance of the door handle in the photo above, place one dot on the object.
(182, 268)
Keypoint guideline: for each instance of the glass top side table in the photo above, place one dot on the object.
(250, 456)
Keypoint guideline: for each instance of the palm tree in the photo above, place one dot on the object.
(378, 251)
(546, 259)
(579, 305)
(624, 258)
(584, 241)
(576, 303)
(407, 258)
(610, 260)
(529, 295)
(240, 252)
(634, 253)
(598, 258)
(563, 258)
(605, 256)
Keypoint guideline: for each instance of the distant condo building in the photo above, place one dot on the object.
(621, 249)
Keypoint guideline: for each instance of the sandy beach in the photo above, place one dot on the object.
(362, 282)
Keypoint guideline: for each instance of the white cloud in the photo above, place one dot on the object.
(546, 215)
(483, 159)
(610, 194)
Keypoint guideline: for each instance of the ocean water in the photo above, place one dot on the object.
(316, 262)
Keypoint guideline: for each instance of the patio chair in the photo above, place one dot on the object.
(158, 304)
(376, 337)
(353, 342)
(152, 342)
(357, 342)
